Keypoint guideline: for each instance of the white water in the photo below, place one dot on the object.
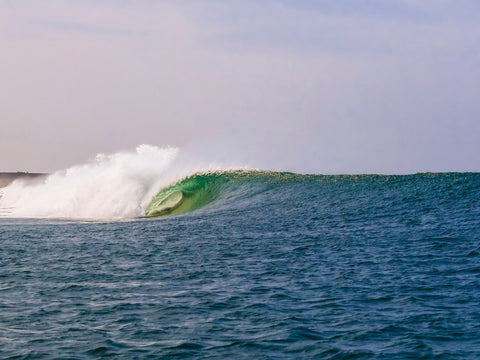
(110, 186)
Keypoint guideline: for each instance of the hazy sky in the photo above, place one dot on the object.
(334, 86)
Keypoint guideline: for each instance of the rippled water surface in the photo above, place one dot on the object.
(313, 267)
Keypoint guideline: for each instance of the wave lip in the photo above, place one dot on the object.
(148, 182)
(114, 186)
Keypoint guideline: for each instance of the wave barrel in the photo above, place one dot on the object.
(166, 205)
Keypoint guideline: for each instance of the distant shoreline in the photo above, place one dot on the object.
(8, 177)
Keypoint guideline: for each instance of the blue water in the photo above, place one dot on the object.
(328, 267)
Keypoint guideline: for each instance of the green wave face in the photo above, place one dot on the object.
(229, 187)
(187, 195)
(198, 190)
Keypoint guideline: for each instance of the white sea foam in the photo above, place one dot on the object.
(109, 186)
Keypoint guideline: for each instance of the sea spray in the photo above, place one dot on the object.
(110, 186)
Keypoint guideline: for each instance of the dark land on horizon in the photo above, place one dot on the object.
(8, 177)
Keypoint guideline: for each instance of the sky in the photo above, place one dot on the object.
(325, 86)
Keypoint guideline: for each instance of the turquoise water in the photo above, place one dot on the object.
(268, 265)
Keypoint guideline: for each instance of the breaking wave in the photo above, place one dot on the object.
(110, 186)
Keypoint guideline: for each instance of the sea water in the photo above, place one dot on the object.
(266, 266)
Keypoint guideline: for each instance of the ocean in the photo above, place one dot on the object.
(241, 264)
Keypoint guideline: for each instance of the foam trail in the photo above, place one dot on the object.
(110, 186)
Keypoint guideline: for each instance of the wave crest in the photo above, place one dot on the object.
(110, 186)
